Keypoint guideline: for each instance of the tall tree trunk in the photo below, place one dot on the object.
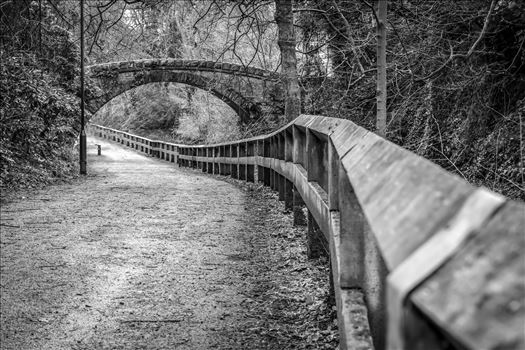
(381, 68)
(286, 42)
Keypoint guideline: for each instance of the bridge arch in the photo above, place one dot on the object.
(250, 92)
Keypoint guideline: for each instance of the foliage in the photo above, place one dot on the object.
(216, 122)
(146, 107)
(456, 79)
(171, 112)
(37, 134)
(38, 106)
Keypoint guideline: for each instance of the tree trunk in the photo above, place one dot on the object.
(286, 42)
(381, 68)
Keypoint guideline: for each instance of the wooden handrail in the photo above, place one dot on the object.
(443, 257)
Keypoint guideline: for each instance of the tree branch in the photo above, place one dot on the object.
(483, 30)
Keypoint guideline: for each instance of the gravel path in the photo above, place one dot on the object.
(143, 255)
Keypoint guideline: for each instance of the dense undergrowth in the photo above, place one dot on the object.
(171, 112)
(39, 107)
(456, 80)
(38, 124)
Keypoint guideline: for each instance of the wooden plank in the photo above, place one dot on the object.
(478, 297)
(346, 136)
(299, 146)
(323, 127)
(351, 235)
(351, 307)
(431, 255)
(304, 120)
(402, 205)
(333, 177)
(288, 145)
(315, 199)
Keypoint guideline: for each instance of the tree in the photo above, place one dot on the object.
(381, 68)
(286, 41)
(456, 79)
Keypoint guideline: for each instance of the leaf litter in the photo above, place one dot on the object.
(111, 276)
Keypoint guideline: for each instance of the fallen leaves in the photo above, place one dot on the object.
(289, 295)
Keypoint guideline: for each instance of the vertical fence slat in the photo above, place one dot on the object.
(250, 168)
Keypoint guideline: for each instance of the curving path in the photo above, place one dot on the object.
(143, 255)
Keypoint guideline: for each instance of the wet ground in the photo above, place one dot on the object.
(143, 255)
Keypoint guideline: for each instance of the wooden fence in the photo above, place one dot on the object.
(432, 261)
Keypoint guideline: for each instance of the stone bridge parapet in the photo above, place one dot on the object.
(188, 65)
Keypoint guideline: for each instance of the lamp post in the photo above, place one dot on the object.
(83, 145)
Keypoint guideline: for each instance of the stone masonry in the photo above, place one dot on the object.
(251, 92)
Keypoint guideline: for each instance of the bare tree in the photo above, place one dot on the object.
(381, 96)
(286, 41)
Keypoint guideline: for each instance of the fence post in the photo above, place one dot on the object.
(279, 158)
(197, 153)
(272, 157)
(352, 235)
(221, 156)
(204, 164)
(314, 247)
(288, 158)
(266, 154)
(235, 148)
(260, 153)
(299, 145)
(227, 154)
(250, 168)
(242, 167)
(209, 160)
(333, 206)
(333, 177)
(313, 170)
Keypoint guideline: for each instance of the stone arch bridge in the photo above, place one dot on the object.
(251, 92)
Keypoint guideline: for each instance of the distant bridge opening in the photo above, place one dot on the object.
(170, 110)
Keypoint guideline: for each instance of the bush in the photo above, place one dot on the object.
(39, 107)
(37, 118)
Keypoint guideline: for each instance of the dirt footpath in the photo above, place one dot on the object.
(143, 255)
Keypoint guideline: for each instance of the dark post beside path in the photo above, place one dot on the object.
(83, 144)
